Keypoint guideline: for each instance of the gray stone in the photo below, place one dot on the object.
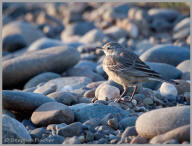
(84, 100)
(181, 134)
(164, 119)
(86, 64)
(41, 78)
(167, 71)
(74, 129)
(66, 98)
(95, 35)
(143, 46)
(46, 89)
(23, 101)
(68, 83)
(28, 124)
(52, 113)
(182, 29)
(167, 14)
(127, 122)
(53, 139)
(129, 131)
(168, 53)
(139, 140)
(115, 32)
(93, 122)
(79, 28)
(84, 112)
(44, 43)
(160, 25)
(8, 113)
(184, 66)
(50, 59)
(14, 132)
(85, 72)
(18, 34)
(71, 140)
(38, 132)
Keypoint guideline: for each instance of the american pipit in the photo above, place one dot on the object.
(125, 68)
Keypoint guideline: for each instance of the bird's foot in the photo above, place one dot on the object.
(123, 99)
(127, 99)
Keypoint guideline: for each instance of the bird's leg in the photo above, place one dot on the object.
(123, 94)
(94, 99)
(131, 98)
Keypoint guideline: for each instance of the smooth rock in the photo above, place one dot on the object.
(28, 124)
(184, 66)
(37, 133)
(167, 71)
(181, 134)
(86, 64)
(182, 29)
(44, 43)
(8, 113)
(90, 93)
(53, 139)
(41, 78)
(139, 140)
(168, 53)
(171, 141)
(107, 92)
(95, 35)
(79, 28)
(164, 119)
(182, 87)
(84, 112)
(71, 140)
(74, 129)
(13, 132)
(66, 98)
(84, 73)
(129, 131)
(168, 14)
(143, 46)
(68, 83)
(169, 91)
(115, 32)
(49, 60)
(93, 122)
(45, 90)
(127, 122)
(18, 34)
(84, 100)
(160, 25)
(23, 101)
(52, 113)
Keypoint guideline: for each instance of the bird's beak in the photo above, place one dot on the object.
(99, 48)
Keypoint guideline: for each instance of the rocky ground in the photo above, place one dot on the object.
(52, 70)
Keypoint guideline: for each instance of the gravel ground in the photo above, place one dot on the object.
(52, 69)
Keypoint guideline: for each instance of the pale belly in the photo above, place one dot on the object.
(123, 79)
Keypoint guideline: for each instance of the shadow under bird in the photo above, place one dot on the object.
(125, 68)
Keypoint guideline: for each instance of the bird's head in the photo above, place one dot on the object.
(112, 48)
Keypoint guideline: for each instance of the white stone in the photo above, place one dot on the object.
(168, 90)
(108, 92)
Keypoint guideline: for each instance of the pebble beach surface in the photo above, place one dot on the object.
(52, 69)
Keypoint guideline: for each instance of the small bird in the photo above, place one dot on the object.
(125, 68)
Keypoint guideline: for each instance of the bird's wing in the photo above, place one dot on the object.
(130, 64)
